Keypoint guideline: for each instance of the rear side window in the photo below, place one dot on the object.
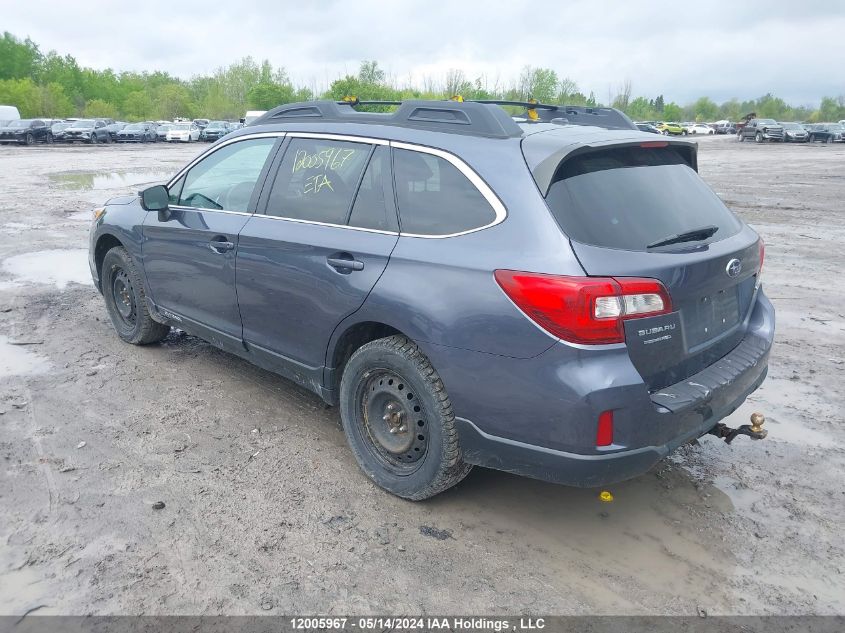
(630, 197)
(435, 198)
(317, 180)
(371, 209)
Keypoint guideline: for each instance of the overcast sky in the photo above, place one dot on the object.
(728, 48)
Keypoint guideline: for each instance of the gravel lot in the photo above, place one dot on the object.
(266, 510)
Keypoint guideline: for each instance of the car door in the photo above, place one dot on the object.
(188, 253)
(320, 241)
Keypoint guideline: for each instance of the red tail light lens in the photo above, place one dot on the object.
(586, 310)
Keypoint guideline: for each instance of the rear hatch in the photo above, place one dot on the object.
(641, 210)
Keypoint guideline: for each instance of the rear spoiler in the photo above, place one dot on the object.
(545, 152)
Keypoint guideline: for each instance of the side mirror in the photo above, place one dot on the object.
(156, 198)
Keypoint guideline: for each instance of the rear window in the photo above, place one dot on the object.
(630, 197)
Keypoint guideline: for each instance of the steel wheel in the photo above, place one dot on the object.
(393, 421)
(124, 297)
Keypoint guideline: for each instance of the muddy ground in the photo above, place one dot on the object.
(266, 510)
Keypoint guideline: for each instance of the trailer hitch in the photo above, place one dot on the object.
(754, 430)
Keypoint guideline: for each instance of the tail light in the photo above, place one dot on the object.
(586, 310)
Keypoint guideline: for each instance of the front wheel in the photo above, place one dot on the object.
(28, 139)
(758, 137)
(398, 420)
(829, 139)
(49, 139)
(740, 137)
(93, 139)
(126, 302)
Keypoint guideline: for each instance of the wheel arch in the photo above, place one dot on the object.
(343, 344)
(104, 244)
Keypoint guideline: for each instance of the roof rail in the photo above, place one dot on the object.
(568, 114)
(474, 119)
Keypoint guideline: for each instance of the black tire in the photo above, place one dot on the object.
(93, 139)
(829, 139)
(126, 303)
(107, 140)
(391, 376)
(28, 139)
(758, 137)
(49, 139)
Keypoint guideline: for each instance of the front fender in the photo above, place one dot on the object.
(123, 222)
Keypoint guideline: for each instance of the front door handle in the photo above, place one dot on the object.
(220, 245)
(345, 264)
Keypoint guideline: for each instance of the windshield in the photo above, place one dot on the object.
(60, 126)
(791, 126)
(181, 126)
(83, 123)
(20, 123)
(630, 197)
(217, 124)
(134, 126)
(164, 128)
(766, 121)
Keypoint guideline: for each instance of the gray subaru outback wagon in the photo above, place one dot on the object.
(556, 294)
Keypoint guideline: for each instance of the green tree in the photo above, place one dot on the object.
(97, 108)
(640, 109)
(705, 109)
(173, 101)
(54, 102)
(24, 94)
(18, 59)
(370, 73)
(137, 106)
(672, 112)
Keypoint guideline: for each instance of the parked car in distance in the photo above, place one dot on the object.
(201, 123)
(823, 133)
(114, 128)
(161, 131)
(58, 130)
(26, 132)
(647, 127)
(215, 130)
(183, 132)
(700, 128)
(725, 127)
(794, 133)
(137, 133)
(675, 129)
(251, 116)
(87, 131)
(761, 130)
(463, 286)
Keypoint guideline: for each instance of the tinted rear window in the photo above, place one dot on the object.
(629, 197)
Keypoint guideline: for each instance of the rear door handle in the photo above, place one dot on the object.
(342, 263)
(220, 245)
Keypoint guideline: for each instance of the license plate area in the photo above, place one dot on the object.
(710, 316)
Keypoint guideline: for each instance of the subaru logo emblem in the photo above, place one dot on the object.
(733, 268)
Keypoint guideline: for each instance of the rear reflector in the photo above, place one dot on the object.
(604, 434)
(586, 310)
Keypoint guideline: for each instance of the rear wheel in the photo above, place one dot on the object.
(93, 140)
(49, 139)
(740, 137)
(829, 139)
(28, 139)
(126, 303)
(398, 420)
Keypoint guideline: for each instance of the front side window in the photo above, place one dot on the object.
(226, 178)
(317, 179)
(435, 198)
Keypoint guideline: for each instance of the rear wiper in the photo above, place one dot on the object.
(689, 236)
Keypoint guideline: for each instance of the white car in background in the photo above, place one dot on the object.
(185, 132)
(700, 128)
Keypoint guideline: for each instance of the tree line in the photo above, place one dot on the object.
(49, 84)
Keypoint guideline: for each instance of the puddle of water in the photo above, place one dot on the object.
(88, 181)
(59, 267)
(18, 360)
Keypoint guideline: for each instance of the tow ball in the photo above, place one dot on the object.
(754, 430)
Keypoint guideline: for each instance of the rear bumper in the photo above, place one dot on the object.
(651, 430)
